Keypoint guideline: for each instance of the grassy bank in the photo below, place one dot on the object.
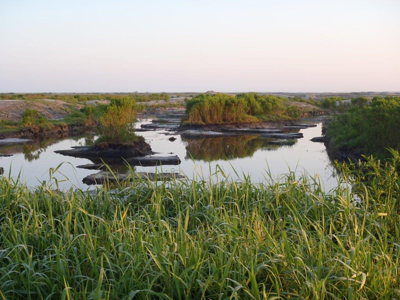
(203, 240)
(366, 129)
(207, 109)
(83, 110)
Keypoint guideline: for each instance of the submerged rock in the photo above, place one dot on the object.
(204, 133)
(109, 151)
(108, 177)
(283, 142)
(154, 161)
(92, 167)
(300, 126)
(252, 130)
(318, 139)
(286, 136)
(159, 126)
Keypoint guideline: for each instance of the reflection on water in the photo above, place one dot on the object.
(227, 147)
(30, 163)
(236, 155)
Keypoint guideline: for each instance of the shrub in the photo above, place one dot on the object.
(223, 108)
(116, 122)
(368, 129)
(32, 117)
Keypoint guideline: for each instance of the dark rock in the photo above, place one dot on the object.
(159, 126)
(252, 130)
(172, 139)
(308, 125)
(171, 121)
(154, 161)
(196, 133)
(1, 171)
(295, 127)
(109, 151)
(286, 136)
(282, 142)
(93, 167)
(108, 177)
(6, 155)
(318, 139)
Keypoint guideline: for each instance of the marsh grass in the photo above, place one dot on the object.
(199, 240)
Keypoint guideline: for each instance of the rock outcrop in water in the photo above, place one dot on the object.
(109, 151)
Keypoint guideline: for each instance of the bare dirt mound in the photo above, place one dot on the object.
(52, 109)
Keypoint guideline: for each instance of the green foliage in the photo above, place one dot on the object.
(217, 109)
(293, 112)
(243, 108)
(77, 117)
(202, 240)
(9, 126)
(330, 102)
(32, 117)
(116, 122)
(87, 97)
(368, 129)
(360, 101)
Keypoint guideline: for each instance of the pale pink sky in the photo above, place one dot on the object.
(231, 46)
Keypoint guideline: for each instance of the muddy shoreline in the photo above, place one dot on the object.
(39, 132)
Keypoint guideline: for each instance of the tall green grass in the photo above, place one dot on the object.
(201, 240)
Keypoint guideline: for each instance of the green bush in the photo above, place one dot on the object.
(32, 117)
(116, 122)
(368, 129)
(243, 108)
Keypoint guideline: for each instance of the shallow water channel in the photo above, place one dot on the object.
(237, 155)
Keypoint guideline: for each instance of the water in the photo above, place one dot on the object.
(237, 156)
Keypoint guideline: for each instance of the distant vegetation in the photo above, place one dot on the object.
(341, 105)
(367, 129)
(87, 97)
(242, 108)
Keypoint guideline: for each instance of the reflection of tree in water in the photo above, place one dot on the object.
(227, 147)
(224, 147)
(32, 151)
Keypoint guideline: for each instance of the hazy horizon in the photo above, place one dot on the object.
(177, 46)
(200, 92)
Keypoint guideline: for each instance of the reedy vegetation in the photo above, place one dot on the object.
(242, 108)
(117, 121)
(367, 129)
(204, 239)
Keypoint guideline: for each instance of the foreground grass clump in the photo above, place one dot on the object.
(201, 240)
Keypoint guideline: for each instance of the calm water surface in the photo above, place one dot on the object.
(238, 156)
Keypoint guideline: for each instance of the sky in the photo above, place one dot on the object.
(196, 46)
